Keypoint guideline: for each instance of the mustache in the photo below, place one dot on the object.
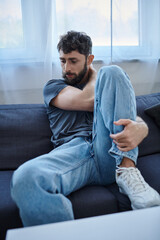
(68, 73)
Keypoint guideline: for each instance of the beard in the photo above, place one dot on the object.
(77, 77)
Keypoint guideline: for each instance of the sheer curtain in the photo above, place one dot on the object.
(25, 68)
(124, 32)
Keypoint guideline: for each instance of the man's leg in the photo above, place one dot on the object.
(114, 100)
(40, 186)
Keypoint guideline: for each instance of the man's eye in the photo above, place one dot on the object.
(63, 61)
(74, 61)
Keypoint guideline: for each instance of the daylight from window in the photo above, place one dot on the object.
(88, 16)
(94, 18)
(11, 31)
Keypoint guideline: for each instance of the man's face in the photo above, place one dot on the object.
(74, 66)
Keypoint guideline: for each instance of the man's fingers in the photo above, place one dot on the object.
(119, 137)
(120, 144)
(122, 122)
(116, 136)
(124, 145)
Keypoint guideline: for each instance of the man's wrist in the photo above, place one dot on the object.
(144, 127)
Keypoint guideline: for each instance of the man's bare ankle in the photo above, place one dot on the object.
(126, 162)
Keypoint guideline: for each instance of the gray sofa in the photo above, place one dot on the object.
(25, 134)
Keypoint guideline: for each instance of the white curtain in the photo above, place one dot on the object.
(124, 32)
(24, 70)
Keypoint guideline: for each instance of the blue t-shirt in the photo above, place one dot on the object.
(65, 125)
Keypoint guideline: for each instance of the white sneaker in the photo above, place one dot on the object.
(131, 183)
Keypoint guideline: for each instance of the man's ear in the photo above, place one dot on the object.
(90, 59)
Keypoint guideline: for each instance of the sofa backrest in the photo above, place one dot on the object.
(151, 144)
(24, 134)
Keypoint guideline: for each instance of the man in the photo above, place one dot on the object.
(86, 150)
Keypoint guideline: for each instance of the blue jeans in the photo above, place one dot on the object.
(40, 186)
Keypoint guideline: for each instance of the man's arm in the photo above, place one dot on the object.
(71, 98)
(132, 135)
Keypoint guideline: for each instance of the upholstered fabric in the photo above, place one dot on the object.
(151, 144)
(154, 112)
(24, 134)
(9, 215)
(150, 168)
(93, 201)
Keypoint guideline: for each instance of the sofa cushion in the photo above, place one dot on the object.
(93, 201)
(123, 201)
(154, 112)
(9, 216)
(151, 144)
(150, 169)
(24, 134)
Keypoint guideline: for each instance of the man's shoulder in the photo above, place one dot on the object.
(52, 88)
(55, 82)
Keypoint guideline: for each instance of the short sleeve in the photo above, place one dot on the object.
(52, 89)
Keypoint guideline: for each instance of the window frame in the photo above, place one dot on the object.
(140, 51)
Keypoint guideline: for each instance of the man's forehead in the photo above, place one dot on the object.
(71, 55)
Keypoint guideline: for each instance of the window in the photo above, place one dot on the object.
(109, 23)
(95, 18)
(11, 29)
(24, 30)
(118, 28)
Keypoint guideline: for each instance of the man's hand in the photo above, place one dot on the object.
(132, 135)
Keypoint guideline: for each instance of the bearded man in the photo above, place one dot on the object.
(90, 117)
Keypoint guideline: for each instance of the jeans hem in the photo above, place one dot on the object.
(119, 155)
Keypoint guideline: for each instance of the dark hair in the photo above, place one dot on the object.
(73, 40)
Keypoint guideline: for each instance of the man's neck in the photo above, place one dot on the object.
(84, 80)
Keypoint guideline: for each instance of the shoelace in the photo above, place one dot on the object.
(133, 179)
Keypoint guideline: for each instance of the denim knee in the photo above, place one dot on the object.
(30, 179)
(114, 74)
(34, 191)
(22, 181)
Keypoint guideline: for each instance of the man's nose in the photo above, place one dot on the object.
(67, 67)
